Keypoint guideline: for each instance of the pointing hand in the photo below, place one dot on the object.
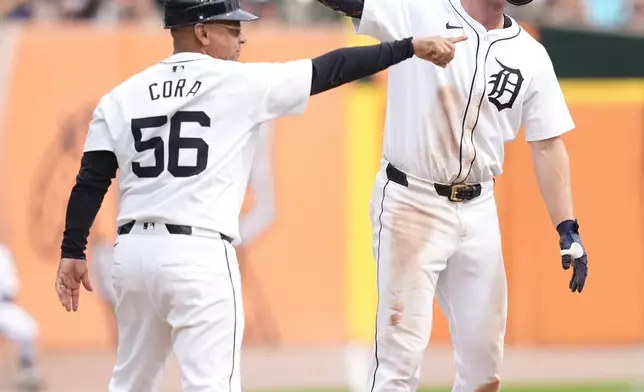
(438, 50)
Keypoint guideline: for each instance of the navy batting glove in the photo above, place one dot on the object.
(573, 253)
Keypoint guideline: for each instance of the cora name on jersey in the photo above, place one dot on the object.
(173, 88)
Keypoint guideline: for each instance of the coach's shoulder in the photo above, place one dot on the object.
(263, 69)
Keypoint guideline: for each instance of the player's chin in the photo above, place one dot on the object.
(497, 3)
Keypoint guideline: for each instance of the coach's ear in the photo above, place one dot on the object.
(202, 34)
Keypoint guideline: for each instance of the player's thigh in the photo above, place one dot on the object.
(144, 339)
(207, 317)
(16, 324)
(412, 241)
(414, 233)
(472, 292)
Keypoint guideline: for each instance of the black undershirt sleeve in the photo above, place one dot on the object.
(349, 64)
(98, 168)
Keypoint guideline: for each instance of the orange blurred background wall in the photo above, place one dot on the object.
(301, 260)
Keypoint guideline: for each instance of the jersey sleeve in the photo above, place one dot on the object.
(98, 136)
(545, 112)
(384, 20)
(281, 89)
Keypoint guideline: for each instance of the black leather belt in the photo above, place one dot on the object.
(172, 229)
(455, 192)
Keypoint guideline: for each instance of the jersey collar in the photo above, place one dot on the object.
(501, 33)
(183, 57)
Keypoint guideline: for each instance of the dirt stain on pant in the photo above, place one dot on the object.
(396, 314)
(410, 229)
(492, 386)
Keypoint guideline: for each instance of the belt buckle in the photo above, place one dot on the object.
(454, 190)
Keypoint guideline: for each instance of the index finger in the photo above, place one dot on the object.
(60, 290)
(456, 40)
(65, 293)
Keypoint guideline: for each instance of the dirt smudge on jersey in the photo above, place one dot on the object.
(450, 102)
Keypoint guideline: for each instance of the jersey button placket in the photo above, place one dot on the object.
(473, 113)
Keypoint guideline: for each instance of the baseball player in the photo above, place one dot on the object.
(182, 135)
(16, 324)
(434, 217)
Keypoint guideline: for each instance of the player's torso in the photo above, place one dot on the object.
(184, 146)
(449, 125)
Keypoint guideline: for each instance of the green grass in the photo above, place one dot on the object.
(555, 388)
(616, 387)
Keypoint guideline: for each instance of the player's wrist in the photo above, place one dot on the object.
(72, 255)
(567, 226)
(415, 45)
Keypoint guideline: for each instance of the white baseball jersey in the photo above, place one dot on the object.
(450, 125)
(184, 133)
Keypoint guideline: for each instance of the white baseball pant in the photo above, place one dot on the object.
(102, 260)
(181, 293)
(426, 245)
(16, 324)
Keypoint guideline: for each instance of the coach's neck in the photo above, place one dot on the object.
(489, 13)
(185, 41)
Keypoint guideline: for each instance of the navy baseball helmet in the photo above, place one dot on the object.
(178, 13)
(519, 2)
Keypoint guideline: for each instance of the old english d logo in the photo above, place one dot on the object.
(506, 85)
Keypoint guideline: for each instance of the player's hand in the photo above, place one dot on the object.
(573, 253)
(438, 50)
(71, 273)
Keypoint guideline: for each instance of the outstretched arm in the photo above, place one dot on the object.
(283, 89)
(351, 8)
(350, 64)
